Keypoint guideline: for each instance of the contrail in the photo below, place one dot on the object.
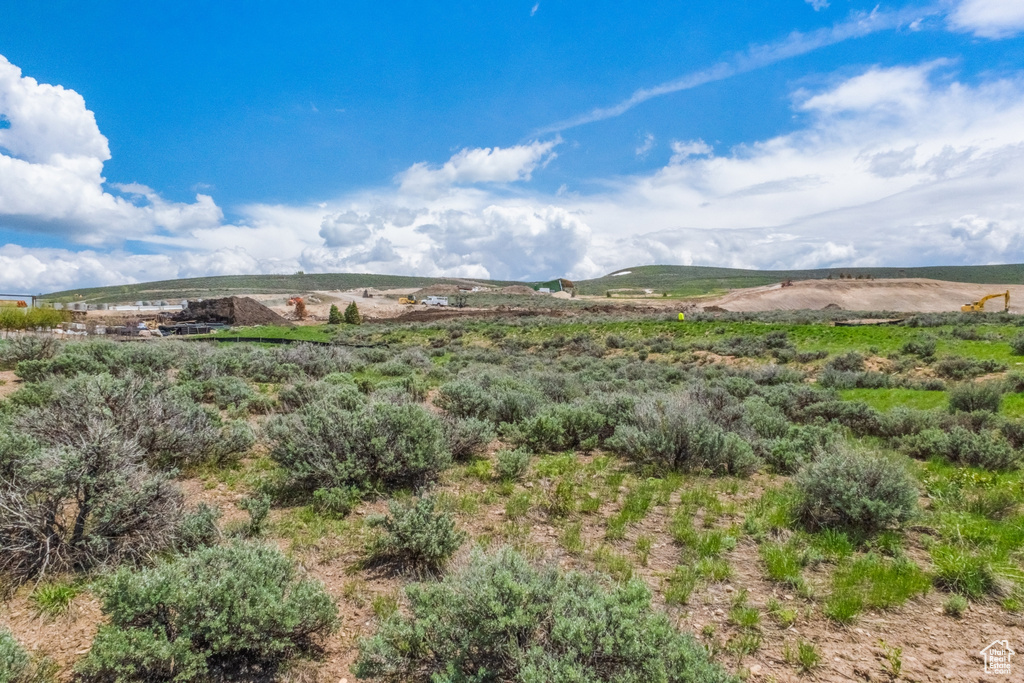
(757, 57)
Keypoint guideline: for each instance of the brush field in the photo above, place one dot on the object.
(530, 498)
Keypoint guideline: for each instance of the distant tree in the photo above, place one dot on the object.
(460, 300)
(300, 309)
(335, 317)
(352, 316)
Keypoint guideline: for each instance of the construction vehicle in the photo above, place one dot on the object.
(13, 303)
(979, 305)
(407, 300)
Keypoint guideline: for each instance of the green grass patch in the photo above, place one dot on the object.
(54, 599)
(871, 581)
(782, 563)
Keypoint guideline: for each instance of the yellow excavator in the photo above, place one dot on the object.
(407, 300)
(979, 305)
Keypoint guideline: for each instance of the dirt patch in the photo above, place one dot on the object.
(65, 638)
(9, 383)
(234, 310)
(912, 295)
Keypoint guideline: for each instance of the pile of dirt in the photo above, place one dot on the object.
(233, 310)
(910, 295)
(438, 290)
(517, 289)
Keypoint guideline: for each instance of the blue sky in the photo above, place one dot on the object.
(142, 141)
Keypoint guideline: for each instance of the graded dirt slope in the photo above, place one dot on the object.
(915, 295)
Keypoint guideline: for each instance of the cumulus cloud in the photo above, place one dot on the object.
(989, 18)
(347, 229)
(51, 171)
(818, 5)
(895, 166)
(480, 165)
(892, 166)
(509, 242)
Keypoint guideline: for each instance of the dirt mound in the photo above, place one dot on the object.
(233, 310)
(910, 295)
(517, 289)
(832, 307)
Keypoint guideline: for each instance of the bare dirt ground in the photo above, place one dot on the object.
(318, 304)
(9, 383)
(915, 295)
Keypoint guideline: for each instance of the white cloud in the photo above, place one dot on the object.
(989, 18)
(347, 229)
(51, 165)
(480, 165)
(646, 146)
(897, 166)
(681, 151)
(894, 166)
(818, 5)
(534, 9)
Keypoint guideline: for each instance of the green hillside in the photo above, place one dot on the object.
(677, 281)
(227, 285)
(681, 281)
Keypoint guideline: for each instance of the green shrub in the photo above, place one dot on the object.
(462, 398)
(335, 317)
(28, 347)
(561, 427)
(955, 606)
(14, 660)
(847, 362)
(923, 346)
(335, 502)
(340, 391)
(675, 433)
(961, 367)
(801, 444)
(973, 396)
(216, 611)
(199, 528)
(384, 446)
(986, 449)
(850, 488)
(1017, 344)
(500, 619)
(169, 427)
(512, 465)
(416, 535)
(72, 507)
(466, 436)
(258, 507)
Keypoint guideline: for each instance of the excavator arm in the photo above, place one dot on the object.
(979, 305)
